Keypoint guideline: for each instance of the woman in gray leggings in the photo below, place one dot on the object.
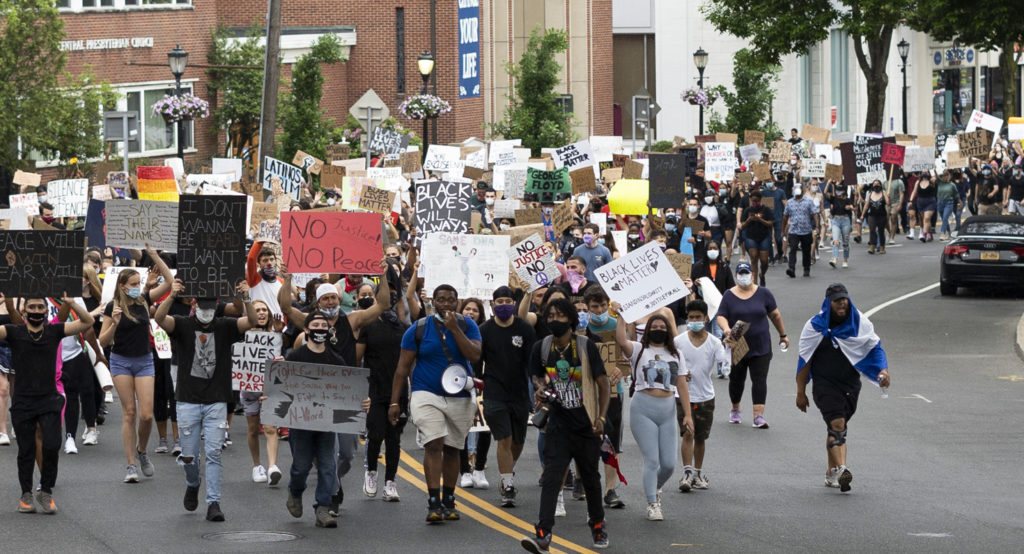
(659, 372)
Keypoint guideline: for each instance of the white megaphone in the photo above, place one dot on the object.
(456, 379)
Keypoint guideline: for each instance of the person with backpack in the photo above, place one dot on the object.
(432, 346)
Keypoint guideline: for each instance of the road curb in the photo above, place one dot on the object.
(1019, 344)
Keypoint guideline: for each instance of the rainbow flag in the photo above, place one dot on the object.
(157, 183)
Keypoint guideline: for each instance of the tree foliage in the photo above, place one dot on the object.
(51, 112)
(749, 105)
(239, 91)
(533, 113)
(305, 125)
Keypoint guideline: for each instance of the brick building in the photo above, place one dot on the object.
(126, 42)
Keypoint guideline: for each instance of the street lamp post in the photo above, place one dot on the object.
(700, 59)
(178, 60)
(904, 49)
(425, 63)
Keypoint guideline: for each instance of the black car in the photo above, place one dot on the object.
(989, 250)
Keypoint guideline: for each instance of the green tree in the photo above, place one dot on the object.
(779, 27)
(749, 106)
(53, 114)
(533, 113)
(305, 126)
(238, 91)
(994, 27)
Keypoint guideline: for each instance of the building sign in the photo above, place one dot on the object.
(106, 44)
(469, 48)
(952, 57)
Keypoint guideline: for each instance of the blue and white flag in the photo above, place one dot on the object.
(855, 337)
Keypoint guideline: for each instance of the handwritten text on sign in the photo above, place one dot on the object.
(69, 197)
(314, 397)
(574, 156)
(642, 281)
(290, 176)
(376, 200)
(249, 357)
(41, 263)
(554, 182)
(332, 242)
(533, 262)
(135, 223)
(442, 206)
(211, 244)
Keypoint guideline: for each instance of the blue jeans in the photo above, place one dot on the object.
(195, 421)
(945, 209)
(841, 226)
(305, 446)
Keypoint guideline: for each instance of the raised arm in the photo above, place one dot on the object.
(360, 318)
(165, 272)
(284, 298)
(85, 319)
(160, 317)
(411, 296)
(625, 345)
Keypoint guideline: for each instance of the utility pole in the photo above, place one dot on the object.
(271, 78)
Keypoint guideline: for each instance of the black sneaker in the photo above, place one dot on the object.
(600, 535)
(856, 238)
(434, 513)
(569, 482)
(191, 498)
(451, 513)
(508, 497)
(807, 273)
(577, 491)
(537, 544)
(613, 501)
(213, 512)
(791, 273)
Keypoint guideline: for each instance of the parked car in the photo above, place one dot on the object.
(988, 250)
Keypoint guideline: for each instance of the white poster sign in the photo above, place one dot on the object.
(441, 158)
(314, 397)
(290, 176)
(69, 197)
(228, 165)
(533, 262)
(982, 120)
(28, 202)
(574, 156)
(249, 358)
(641, 281)
(813, 167)
(474, 264)
(136, 223)
(719, 161)
(919, 158)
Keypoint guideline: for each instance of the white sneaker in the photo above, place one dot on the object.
(69, 445)
(560, 507)
(108, 398)
(370, 484)
(832, 478)
(5, 440)
(91, 437)
(259, 475)
(700, 482)
(846, 264)
(466, 481)
(686, 482)
(273, 476)
(390, 492)
(654, 512)
(480, 480)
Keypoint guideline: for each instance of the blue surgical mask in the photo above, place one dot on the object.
(670, 227)
(302, 297)
(695, 326)
(599, 319)
(584, 319)
(600, 241)
(134, 292)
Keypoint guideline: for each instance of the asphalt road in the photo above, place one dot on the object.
(935, 464)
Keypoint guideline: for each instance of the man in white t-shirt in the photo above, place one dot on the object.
(261, 275)
(703, 353)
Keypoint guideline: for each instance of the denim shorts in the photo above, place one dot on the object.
(141, 366)
(763, 245)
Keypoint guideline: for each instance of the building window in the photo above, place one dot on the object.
(952, 98)
(80, 5)
(157, 136)
(400, 49)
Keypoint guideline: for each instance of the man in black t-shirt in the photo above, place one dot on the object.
(34, 399)
(569, 368)
(506, 343)
(203, 343)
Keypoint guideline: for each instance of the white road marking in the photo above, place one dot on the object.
(884, 305)
(916, 396)
(931, 535)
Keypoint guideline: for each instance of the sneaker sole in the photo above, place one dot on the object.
(370, 494)
(327, 525)
(685, 488)
(131, 479)
(273, 479)
(22, 509)
(844, 480)
(531, 546)
(392, 499)
(762, 426)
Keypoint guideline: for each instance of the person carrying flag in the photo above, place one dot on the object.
(835, 345)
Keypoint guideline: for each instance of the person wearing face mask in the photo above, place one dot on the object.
(593, 253)
(876, 210)
(757, 227)
(799, 221)
(261, 275)
(576, 282)
(988, 193)
(659, 372)
(265, 322)
(126, 331)
(718, 272)
(703, 354)
(572, 238)
(46, 214)
(701, 231)
(1014, 193)
(755, 306)
(204, 345)
(634, 237)
(473, 456)
(841, 207)
(924, 200)
(777, 205)
(710, 212)
(505, 346)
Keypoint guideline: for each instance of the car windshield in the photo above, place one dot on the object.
(993, 228)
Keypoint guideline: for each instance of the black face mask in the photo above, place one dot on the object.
(365, 303)
(35, 318)
(658, 336)
(558, 328)
(877, 189)
(319, 336)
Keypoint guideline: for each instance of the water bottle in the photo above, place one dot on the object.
(885, 392)
(783, 346)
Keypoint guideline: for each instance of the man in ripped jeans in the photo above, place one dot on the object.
(203, 343)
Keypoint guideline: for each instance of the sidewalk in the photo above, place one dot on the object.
(1019, 344)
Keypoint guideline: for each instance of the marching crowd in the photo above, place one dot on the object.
(536, 351)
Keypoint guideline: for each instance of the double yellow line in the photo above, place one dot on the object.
(493, 517)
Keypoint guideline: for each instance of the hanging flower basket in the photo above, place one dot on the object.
(701, 97)
(424, 106)
(181, 108)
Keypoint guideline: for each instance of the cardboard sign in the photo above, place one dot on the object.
(548, 182)
(249, 358)
(682, 263)
(307, 162)
(926, 140)
(26, 179)
(211, 244)
(136, 223)
(753, 137)
(289, 175)
(620, 160)
(833, 172)
(701, 139)
(264, 211)
(156, 183)
(314, 397)
(101, 192)
(41, 263)
(582, 180)
(332, 242)
(377, 200)
(268, 231)
(740, 350)
(955, 160)
(338, 152)
(388, 141)
(744, 178)
(528, 216)
(611, 175)
(666, 184)
(563, 216)
(641, 281)
(474, 264)
(815, 134)
(28, 202)
(633, 170)
(813, 167)
(780, 151)
(443, 206)
(719, 161)
(331, 176)
(533, 262)
(410, 162)
(727, 137)
(520, 233)
(976, 143)
(69, 197)
(893, 153)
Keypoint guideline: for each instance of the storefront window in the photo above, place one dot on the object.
(990, 91)
(952, 98)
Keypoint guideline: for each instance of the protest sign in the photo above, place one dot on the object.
(691, 158)
(893, 153)
(611, 355)
(161, 341)
(982, 120)
(701, 139)
(101, 192)
(833, 172)
(474, 264)
(753, 137)
(69, 197)
(505, 207)
(211, 244)
(563, 216)
(667, 180)
(41, 263)
(388, 141)
(338, 152)
(442, 206)
(815, 134)
(621, 240)
(548, 182)
(633, 170)
(314, 397)
(719, 161)
(156, 183)
(264, 211)
(641, 281)
(528, 216)
(814, 167)
(331, 176)
(682, 263)
(228, 165)
(919, 158)
(976, 143)
(268, 231)
(744, 178)
(862, 159)
(25, 179)
(411, 162)
(136, 223)
(249, 358)
(611, 175)
(629, 197)
(15, 219)
(533, 262)
(601, 220)
(332, 242)
(197, 181)
(520, 233)
(440, 158)
(307, 162)
(376, 200)
(780, 151)
(28, 202)
(750, 153)
(290, 176)
(620, 160)
(926, 140)
(727, 137)
(955, 160)
(604, 147)
(574, 156)
(582, 180)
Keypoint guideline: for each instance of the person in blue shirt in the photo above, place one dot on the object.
(429, 348)
(593, 252)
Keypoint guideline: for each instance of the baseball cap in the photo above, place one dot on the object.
(835, 291)
(503, 291)
(206, 303)
(744, 267)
